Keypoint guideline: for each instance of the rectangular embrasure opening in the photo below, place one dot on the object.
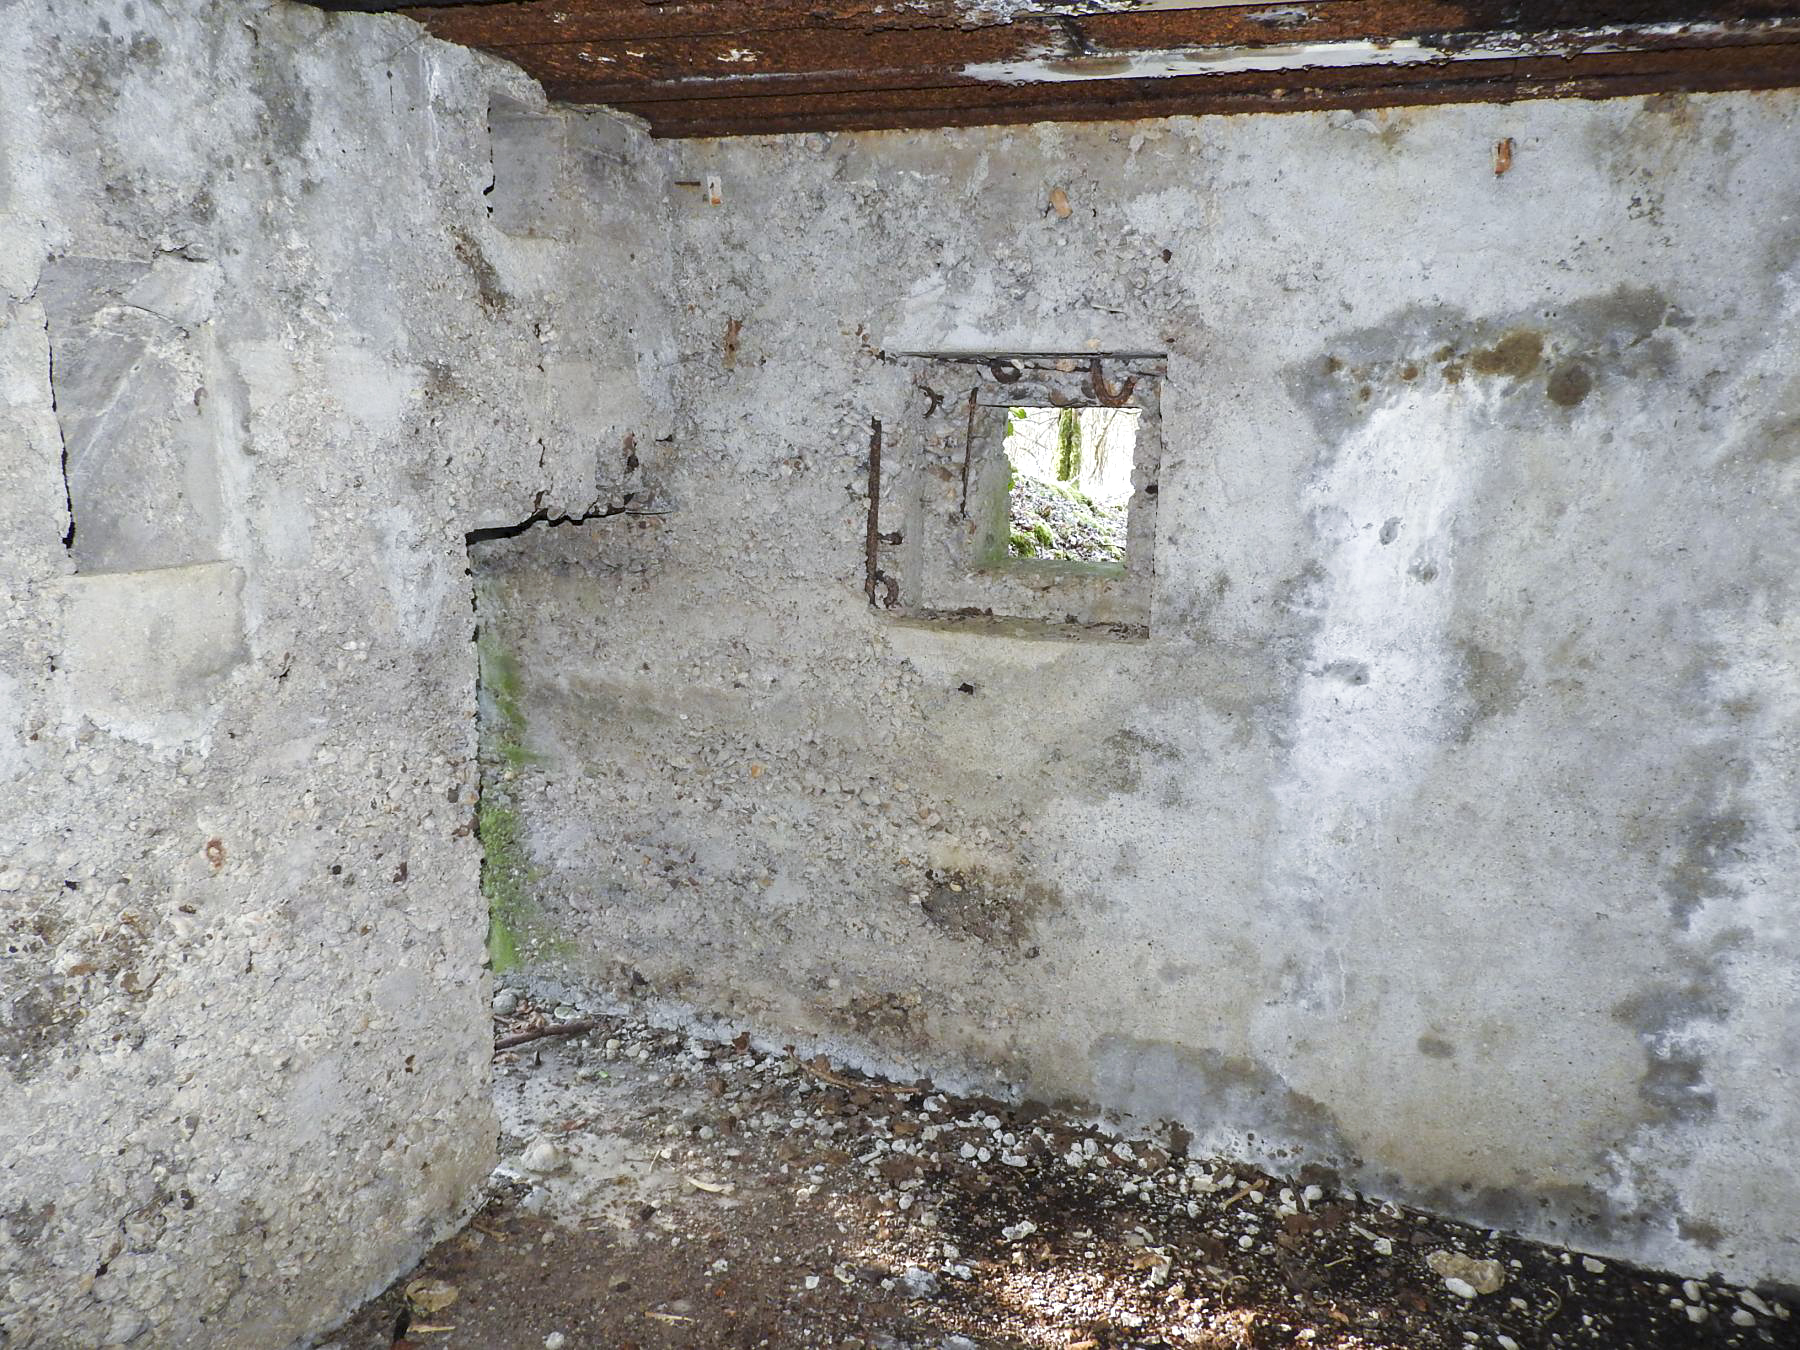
(1029, 488)
(1069, 482)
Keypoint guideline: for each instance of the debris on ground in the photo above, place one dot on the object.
(658, 1189)
(1055, 520)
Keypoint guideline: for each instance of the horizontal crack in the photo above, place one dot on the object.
(543, 516)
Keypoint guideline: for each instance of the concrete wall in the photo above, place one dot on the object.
(251, 294)
(1441, 831)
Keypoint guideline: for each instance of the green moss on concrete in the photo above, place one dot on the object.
(504, 872)
(502, 718)
(517, 929)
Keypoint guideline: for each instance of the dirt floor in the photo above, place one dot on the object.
(664, 1191)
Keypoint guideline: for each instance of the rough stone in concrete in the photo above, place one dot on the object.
(252, 302)
(1439, 832)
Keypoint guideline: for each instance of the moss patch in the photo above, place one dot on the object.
(517, 928)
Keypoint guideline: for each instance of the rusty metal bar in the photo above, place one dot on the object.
(873, 542)
(513, 22)
(727, 67)
(1604, 76)
(1006, 59)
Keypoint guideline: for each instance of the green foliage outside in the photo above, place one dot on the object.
(1068, 446)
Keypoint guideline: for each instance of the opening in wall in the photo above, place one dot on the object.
(1028, 487)
(1070, 483)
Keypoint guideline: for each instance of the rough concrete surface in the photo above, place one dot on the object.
(1441, 832)
(252, 299)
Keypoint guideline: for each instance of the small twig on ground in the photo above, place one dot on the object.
(838, 1080)
(1242, 1191)
(559, 1029)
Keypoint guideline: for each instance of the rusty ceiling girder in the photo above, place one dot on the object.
(726, 67)
(496, 23)
(812, 62)
(1504, 81)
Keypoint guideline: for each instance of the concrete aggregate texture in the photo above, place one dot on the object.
(1440, 831)
(251, 291)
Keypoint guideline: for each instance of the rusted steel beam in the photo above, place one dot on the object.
(687, 69)
(724, 66)
(1606, 75)
(810, 60)
(523, 21)
(496, 23)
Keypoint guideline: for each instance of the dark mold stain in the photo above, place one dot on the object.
(1126, 752)
(1202, 1088)
(39, 1017)
(1436, 1047)
(27, 1224)
(1780, 440)
(1390, 530)
(1301, 591)
(286, 116)
(1572, 1209)
(1626, 333)
(1518, 354)
(988, 911)
(1492, 684)
(1709, 843)
(1569, 383)
(1699, 1232)
(488, 288)
(1673, 1086)
(1347, 672)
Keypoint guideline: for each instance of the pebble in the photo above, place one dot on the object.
(1482, 1277)
(919, 1283)
(1506, 1343)
(1751, 1300)
(506, 1003)
(555, 1341)
(1593, 1267)
(1695, 1313)
(542, 1157)
(1743, 1317)
(1690, 1290)
(1461, 1288)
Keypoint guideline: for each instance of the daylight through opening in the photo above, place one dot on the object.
(1070, 490)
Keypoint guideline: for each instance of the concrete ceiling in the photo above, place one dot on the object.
(729, 67)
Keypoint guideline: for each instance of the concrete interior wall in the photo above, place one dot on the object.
(260, 331)
(1440, 832)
